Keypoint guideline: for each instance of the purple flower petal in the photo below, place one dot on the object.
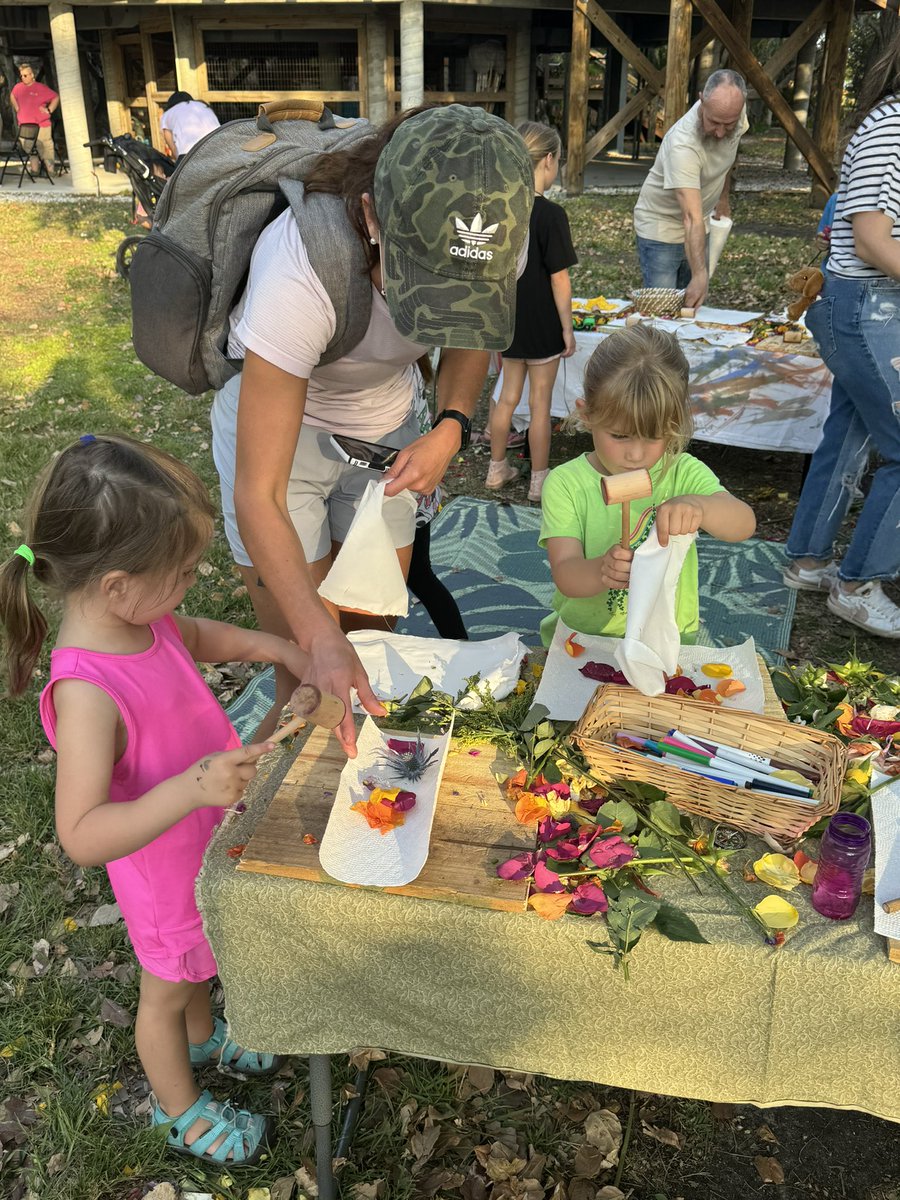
(680, 683)
(591, 804)
(474, 753)
(551, 830)
(519, 867)
(546, 880)
(401, 747)
(543, 789)
(565, 851)
(603, 673)
(403, 801)
(589, 898)
(611, 852)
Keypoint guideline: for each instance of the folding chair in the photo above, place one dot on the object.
(23, 149)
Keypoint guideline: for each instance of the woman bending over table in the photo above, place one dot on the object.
(856, 324)
(440, 200)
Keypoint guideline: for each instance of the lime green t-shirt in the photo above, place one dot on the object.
(572, 507)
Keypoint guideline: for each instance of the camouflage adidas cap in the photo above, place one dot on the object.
(453, 190)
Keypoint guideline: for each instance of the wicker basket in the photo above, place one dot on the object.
(658, 302)
(613, 709)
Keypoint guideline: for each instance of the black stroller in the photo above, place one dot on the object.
(147, 172)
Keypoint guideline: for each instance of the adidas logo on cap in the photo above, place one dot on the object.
(473, 237)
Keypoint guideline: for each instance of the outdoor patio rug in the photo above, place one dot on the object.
(487, 555)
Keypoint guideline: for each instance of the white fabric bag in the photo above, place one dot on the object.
(366, 574)
(649, 650)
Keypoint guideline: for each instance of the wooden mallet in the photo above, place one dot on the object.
(310, 705)
(622, 489)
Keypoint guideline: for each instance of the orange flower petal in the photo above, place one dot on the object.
(843, 723)
(730, 687)
(707, 695)
(550, 906)
(531, 809)
(378, 815)
(572, 647)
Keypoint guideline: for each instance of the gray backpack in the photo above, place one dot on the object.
(191, 269)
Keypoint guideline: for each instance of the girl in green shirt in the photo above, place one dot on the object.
(637, 409)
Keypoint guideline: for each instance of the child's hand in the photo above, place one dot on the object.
(681, 515)
(295, 660)
(219, 780)
(615, 568)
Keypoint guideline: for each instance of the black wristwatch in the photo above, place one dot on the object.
(464, 423)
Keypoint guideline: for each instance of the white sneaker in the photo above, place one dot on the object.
(868, 607)
(810, 579)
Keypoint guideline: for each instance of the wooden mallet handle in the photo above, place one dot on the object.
(311, 706)
(891, 906)
(622, 489)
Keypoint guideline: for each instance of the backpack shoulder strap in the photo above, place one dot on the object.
(338, 258)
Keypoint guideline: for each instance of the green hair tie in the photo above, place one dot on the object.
(25, 552)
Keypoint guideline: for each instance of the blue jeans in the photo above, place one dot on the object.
(663, 264)
(856, 324)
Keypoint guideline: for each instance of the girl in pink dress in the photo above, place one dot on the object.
(147, 761)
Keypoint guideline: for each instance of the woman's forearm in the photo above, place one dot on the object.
(874, 243)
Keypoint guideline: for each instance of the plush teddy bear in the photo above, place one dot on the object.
(808, 282)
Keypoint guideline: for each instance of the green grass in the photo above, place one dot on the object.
(66, 368)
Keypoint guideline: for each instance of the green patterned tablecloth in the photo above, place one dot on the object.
(317, 968)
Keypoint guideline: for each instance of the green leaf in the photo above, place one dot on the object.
(664, 814)
(676, 925)
(618, 810)
(551, 772)
(533, 717)
(649, 844)
(545, 730)
(422, 688)
(786, 687)
(629, 914)
(543, 746)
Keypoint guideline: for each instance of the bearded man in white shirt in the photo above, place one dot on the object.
(687, 184)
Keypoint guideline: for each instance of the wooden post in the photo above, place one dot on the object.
(831, 81)
(803, 75)
(577, 100)
(114, 81)
(522, 70)
(742, 21)
(412, 41)
(678, 63)
(71, 97)
(376, 57)
(186, 77)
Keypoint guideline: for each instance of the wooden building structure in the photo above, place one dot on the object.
(115, 62)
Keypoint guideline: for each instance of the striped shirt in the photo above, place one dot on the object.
(870, 182)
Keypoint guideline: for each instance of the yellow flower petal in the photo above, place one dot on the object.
(777, 870)
(777, 913)
(70, 924)
(716, 670)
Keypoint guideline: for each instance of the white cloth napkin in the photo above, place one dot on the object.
(366, 574)
(649, 650)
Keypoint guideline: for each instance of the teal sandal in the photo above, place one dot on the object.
(243, 1133)
(229, 1057)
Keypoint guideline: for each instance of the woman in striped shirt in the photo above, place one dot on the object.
(856, 324)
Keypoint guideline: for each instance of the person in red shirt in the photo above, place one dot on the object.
(33, 104)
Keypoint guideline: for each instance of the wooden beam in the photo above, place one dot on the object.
(114, 81)
(577, 100)
(186, 77)
(678, 66)
(622, 42)
(791, 46)
(605, 135)
(831, 81)
(748, 65)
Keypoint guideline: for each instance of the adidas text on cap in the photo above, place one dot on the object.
(453, 191)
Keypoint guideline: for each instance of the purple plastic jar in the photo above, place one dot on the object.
(843, 858)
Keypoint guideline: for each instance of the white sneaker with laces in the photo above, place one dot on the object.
(868, 607)
(810, 579)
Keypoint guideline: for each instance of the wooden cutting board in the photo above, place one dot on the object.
(474, 827)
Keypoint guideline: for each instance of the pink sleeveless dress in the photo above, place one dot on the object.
(172, 720)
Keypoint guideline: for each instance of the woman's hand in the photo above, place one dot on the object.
(421, 465)
(335, 667)
(683, 514)
(569, 342)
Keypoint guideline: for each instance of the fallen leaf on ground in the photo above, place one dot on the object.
(106, 914)
(770, 1170)
(610, 1193)
(162, 1191)
(361, 1057)
(765, 1134)
(115, 1014)
(668, 1137)
(369, 1191)
(603, 1129)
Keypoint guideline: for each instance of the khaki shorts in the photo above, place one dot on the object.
(323, 490)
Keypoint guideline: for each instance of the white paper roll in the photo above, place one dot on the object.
(719, 229)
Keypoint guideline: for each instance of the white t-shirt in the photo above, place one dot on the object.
(188, 122)
(685, 159)
(286, 317)
(870, 182)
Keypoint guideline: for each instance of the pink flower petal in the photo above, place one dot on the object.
(519, 867)
(589, 898)
(401, 747)
(679, 683)
(611, 852)
(546, 880)
(565, 851)
(603, 673)
(551, 830)
(403, 801)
